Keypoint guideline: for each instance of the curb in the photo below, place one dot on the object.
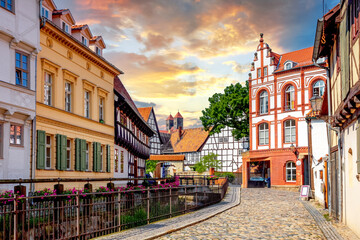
(326, 228)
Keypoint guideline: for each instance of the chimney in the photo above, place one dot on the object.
(180, 128)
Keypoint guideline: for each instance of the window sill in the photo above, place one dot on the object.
(16, 145)
(10, 11)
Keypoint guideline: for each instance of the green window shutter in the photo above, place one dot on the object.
(344, 55)
(77, 154)
(83, 155)
(99, 160)
(95, 157)
(58, 152)
(63, 152)
(40, 160)
(108, 158)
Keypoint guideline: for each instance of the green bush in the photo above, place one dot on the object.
(229, 175)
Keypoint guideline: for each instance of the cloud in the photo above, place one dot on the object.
(237, 67)
(140, 104)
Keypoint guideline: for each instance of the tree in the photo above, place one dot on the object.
(150, 166)
(231, 109)
(207, 162)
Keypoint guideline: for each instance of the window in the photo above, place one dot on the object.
(265, 71)
(44, 12)
(98, 51)
(123, 119)
(263, 134)
(264, 102)
(290, 172)
(288, 65)
(290, 131)
(101, 109)
(22, 69)
(101, 158)
(290, 98)
(16, 132)
(68, 154)
(87, 104)
(48, 144)
(318, 88)
(116, 160)
(122, 162)
(68, 96)
(7, 4)
(87, 157)
(65, 27)
(259, 73)
(84, 40)
(48, 89)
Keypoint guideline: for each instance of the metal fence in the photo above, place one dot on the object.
(88, 215)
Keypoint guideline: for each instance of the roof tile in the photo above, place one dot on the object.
(302, 57)
(145, 112)
(169, 157)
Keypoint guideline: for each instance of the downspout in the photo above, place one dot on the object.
(337, 130)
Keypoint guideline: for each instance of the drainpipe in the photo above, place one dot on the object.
(337, 130)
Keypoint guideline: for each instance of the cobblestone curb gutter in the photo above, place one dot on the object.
(325, 226)
(157, 229)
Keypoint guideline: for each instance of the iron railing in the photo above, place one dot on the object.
(88, 215)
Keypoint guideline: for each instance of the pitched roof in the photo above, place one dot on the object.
(191, 140)
(178, 115)
(302, 57)
(169, 157)
(145, 112)
(170, 117)
(120, 88)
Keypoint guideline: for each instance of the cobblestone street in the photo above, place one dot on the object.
(262, 214)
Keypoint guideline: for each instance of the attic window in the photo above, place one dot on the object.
(65, 27)
(84, 40)
(98, 51)
(288, 65)
(44, 12)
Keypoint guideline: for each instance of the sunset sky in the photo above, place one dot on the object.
(178, 53)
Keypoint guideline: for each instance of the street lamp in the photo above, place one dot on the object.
(293, 149)
(316, 103)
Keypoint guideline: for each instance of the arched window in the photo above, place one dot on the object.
(264, 102)
(263, 134)
(290, 98)
(290, 172)
(318, 88)
(288, 65)
(289, 131)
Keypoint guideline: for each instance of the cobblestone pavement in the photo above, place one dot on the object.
(262, 214)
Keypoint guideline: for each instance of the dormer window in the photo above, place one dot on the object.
(45, 12)
(98, 51)
(288, 65)
(65, 27)
(84, 40)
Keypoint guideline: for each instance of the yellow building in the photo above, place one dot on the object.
(74, 101)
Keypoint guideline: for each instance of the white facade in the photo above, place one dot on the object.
(19, 45)
(227, 148)
(319, 155)
(121, 167)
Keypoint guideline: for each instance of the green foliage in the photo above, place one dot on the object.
(206, 162)
(150, 166)
(231, 109)
(229, 175)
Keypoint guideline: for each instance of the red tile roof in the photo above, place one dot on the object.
(178, 115)
(78, 27)
(163, 131)
(145, 112)
(191, 140)
(170, 117)
(167, 157)
(302, 57)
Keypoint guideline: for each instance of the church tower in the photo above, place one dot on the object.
(169, 122)
(178, 121)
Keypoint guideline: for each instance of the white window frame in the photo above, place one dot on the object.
(45, 12)
(16, 135)
(258, 75)
(87, 105)
(84, 40)
(265, 72)
(65, 27)
(263, 134)
(320, 86)
(289, 91)
(48, 89)
(264, 102)
(288, 65)
(68, 90)
(48, 146)
(101, 108)
(290, 168)
(290, 131)
(68, 154)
